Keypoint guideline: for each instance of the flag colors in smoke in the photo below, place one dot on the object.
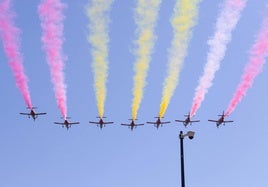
(258, 53)
(51, 15)
(146, 14)
(225, 24)
(11, 41)
(183, 20)
(97, 12)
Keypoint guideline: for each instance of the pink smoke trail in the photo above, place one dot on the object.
(50, 13)
(226, 22)
(258, 53)
(10, 37)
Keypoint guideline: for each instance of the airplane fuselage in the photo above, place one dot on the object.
(132, 125)
(66, 124)
(32, 114)
(187, 121)
(101, 124)
(158, 123)
(220, 121)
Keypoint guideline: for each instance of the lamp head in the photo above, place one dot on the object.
(190, 134)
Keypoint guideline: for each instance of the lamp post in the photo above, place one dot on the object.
(190, 134)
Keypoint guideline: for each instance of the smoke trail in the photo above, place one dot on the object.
(183, 20)
(257, 57)
(145, 17)
(97, 13)
(226, 22)
(50, 13)
(10, 37)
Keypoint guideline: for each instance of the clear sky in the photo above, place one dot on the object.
(41, 153)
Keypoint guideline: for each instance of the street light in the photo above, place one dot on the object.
(190, 134)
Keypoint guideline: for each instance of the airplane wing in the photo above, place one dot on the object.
(139, 124)
(180, 120)
(58, 123)
(195, 121)
(125, 124)
(94, 122)
(213, 120)
(43, 113)
(74, 123)
(24, 113)
(108, 122)
(151, 122)
(228, 121)
(165, 122)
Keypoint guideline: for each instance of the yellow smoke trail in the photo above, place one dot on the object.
(145, 17)
(97, 12)
(183, 19)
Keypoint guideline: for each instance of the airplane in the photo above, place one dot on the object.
(66, 123)
(220, 120)
(188, 120)
(132, 124)
(101, 123)
(158, 122)
(32, 113)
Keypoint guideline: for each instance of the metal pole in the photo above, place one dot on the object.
(182, 160)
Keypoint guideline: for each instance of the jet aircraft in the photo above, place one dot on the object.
(66, 123)
(220, 120)
(158, 122)
(132, 125)
(188, 120)
(32, 113)
(101, 123)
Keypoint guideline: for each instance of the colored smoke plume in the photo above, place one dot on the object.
(11, 41)
(183, 20)
(51, 15)
(258, 53)
(225, 24)
(146, 14)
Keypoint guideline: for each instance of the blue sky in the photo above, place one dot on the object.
(43, 154)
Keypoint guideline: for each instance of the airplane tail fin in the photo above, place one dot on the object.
(187, 115)
(66, 117)
(31, 107)
(224, 115)
(101, 117)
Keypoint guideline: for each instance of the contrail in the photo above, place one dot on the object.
(146, 14)
(183, 20)
(226, 22)
(10, 36)
(258, 53)
(98, 37)
(50, 13)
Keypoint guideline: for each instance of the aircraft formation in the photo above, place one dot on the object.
(101, 123)
(183, 20)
